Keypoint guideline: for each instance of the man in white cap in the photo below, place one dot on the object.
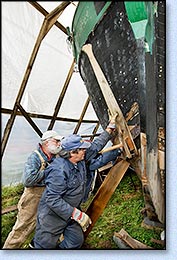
(34, 183)
(59, 213)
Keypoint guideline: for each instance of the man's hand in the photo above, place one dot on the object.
(82, 218)
(112, 124)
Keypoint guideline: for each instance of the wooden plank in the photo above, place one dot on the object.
(9, 209)
(105, 167)
(133, 243)
(105, 192)
(111, 148)
(160, 242)
(114, 109)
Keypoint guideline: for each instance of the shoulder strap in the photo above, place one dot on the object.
(43, 163)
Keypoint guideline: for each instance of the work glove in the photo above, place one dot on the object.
(82, 218)
(120, 151)
(112, 122)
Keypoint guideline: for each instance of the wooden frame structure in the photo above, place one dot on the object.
(50, 19)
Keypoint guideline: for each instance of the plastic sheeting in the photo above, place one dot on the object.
(21, 24)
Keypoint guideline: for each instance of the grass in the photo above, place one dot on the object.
(122, 211)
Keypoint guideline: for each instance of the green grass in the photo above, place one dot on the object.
(122, 211)
(11, 194)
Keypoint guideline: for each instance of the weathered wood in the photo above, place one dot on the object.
(105, 167)
(159, 242)
(94, 131)
(114, 109)
(161, 155)
(81, 116)
(105, 192)
(48, 117)
(9, 209)
(133, 243)
(113, 147)
(134, 111)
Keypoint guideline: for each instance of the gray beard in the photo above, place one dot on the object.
(54, 149)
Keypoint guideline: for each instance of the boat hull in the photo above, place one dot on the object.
(134, 69)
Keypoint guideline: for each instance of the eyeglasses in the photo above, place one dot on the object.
(54, 140)
(78, 150)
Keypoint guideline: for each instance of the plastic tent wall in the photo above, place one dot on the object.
(21, 24)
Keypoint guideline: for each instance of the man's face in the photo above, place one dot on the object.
(53, 146)
(78, 155)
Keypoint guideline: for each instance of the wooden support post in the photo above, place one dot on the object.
(105, 192)
(114, 109)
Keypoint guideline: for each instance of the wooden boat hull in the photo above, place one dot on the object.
(133, 66)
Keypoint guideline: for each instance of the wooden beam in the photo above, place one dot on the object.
(134, 111)
(114, 109)
(105, 192)
(58, 118)
(94, 130)
(51, 18)
(9, 209)
(11, 120)
(133, 243)
(113, 147)
(30, 121)
(44, 12)
(82, 116)
(62, 94)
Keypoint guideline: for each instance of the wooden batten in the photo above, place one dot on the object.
(105, 192)
(114, 110)
(61, 97)
(82, 116)
(131, 242)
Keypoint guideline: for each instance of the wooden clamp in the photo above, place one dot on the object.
(124, 135)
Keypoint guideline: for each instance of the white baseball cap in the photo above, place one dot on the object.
(51, 134)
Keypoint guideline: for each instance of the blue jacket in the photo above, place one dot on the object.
(65, 189)
(95, 164)
(66, 183)
(32, 175)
